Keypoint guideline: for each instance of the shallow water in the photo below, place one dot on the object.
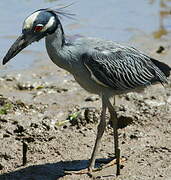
(116, 20)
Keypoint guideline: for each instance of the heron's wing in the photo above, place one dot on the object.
(122, 68)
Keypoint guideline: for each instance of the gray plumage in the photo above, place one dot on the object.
(101, 67)
(109, 65)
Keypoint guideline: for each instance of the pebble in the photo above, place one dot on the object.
(92, 98)
(154, 103)
(160, 49)
(1, 166)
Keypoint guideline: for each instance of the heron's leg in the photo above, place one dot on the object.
(100, 131)
(114, 100)
(115, 130)
(114, 103)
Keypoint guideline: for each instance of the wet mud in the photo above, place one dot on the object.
(48, 125)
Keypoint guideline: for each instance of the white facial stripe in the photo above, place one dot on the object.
(40, 25)
(49, 24)
(29, 21)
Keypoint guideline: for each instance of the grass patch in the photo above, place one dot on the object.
(5, 108)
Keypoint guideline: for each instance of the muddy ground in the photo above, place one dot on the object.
(44, 109)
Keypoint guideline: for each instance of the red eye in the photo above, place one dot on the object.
(38, 28)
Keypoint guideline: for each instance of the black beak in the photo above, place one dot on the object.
(18, 45)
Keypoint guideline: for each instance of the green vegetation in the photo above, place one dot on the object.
(74, 116)
(5, 108)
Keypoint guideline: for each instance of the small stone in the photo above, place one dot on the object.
(3, 120)
(92, 98)
(1, 166)
(34, 125)
(153, 103)
(14, 122)
(160, 49)
(6, 135)
(124, 121)
(46, 123)
(19, 129)
(84, 116)
(133, 136)
(9, 78)
(24, 86)
(1, 135)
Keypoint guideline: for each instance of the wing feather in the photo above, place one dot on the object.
(122, 68)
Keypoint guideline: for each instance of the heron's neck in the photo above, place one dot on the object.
(55, 45)
(57, 39)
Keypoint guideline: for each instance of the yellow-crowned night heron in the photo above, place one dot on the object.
(101, 67)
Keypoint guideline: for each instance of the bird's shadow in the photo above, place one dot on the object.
(49, 171)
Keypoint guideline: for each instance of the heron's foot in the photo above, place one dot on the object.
(82, 171)
(89, 170)
(113, 162)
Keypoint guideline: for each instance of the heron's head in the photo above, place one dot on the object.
(36, 26)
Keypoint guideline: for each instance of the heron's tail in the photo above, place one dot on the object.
(163, 67)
